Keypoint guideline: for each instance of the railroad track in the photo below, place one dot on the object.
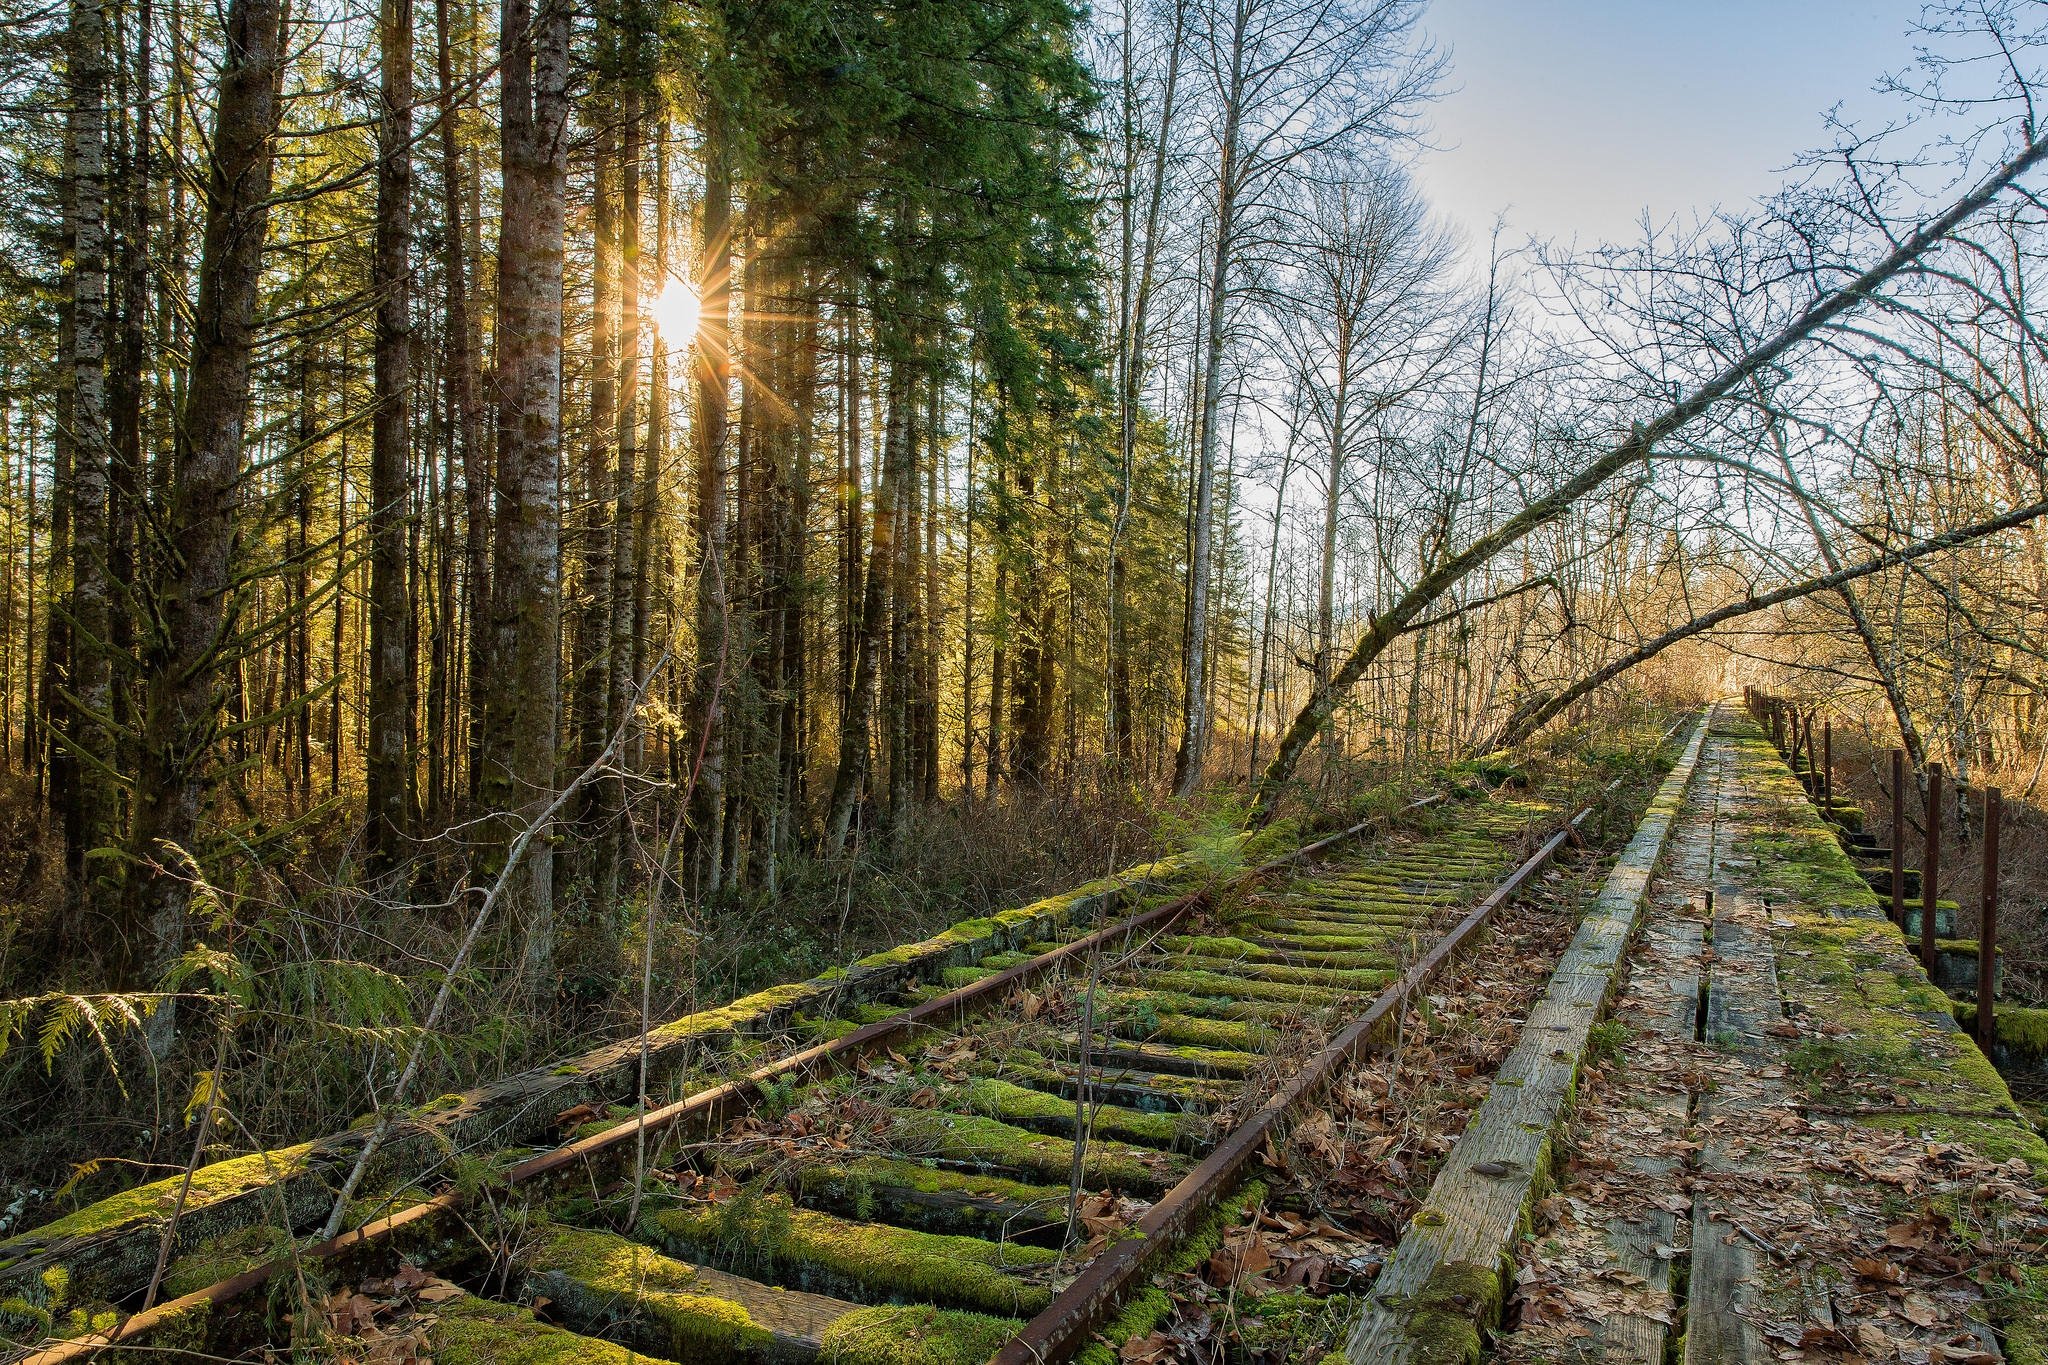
(984, 1167)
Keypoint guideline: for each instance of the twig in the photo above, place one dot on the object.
(387, 1112)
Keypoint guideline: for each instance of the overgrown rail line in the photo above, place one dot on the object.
(983, 1167)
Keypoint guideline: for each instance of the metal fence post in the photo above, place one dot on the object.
(1987, 926)
(1899, 837)
(1930, 871)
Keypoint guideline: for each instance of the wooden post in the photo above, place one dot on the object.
(1930, 871)
(1827, 766)
(1987, 926)
(1899, 837)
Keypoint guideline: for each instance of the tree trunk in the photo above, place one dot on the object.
(461, 357)
(1194, 734)
(713, 364)
(85, 711)
(524, 684)
(620, 681)
(182, 672)
(854, 725)
(389, 762)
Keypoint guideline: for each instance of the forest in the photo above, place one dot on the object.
(519, 522)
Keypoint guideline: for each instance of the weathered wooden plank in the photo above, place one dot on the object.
(1727, 1287)
(1666, 985)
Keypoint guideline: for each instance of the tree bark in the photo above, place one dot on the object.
(713, 365)
(389, 762)
(462, 348)
(854, 725)
(187, 630)
(525, 681)
(85, 711)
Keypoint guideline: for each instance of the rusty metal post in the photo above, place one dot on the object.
(1899, 837)
(1827, 766)
(1987, 926)
(1930, 872)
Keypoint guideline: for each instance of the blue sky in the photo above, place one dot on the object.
(1577, 115)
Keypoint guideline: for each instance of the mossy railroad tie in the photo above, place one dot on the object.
(471, 1331)
(611, 1286)
(804, 1249)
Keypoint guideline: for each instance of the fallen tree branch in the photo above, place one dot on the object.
(1538, 712)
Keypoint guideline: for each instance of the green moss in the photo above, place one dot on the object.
(816, 1250)
(2022, 1310)
(1851, 969)
(1141, 1313)
(898, 1190)
(152, 1202)
(1035, 1109)
(1213, 945)
(821, 1030)
(217, 1258)
(2019, 1028)
(915, 1336)
(1227, 987)
(1442, 1321)
(472, 1331)
(749, 1011)
(1241, 1035)
(969, 1139)
(187, 1330)
(603, 1276)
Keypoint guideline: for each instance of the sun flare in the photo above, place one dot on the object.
(676, 310)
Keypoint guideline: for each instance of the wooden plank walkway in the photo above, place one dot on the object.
(1799, 1158)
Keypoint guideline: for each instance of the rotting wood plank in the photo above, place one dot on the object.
(1667, 981)
(1726, 1291)
(1444, 1284)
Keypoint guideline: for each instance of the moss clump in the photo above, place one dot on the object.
(1441, 1322)
(2019, 1028)
(969, 1139)
(2022, 1310)
(1142, 1312)
(1027, 1108)
(217, 1258)
(749, 1011)
(814, 1250)
(603, 1278)
(1244, 988)
(1240, 1035)
(1147, 1308)
(154, 1201)
(915, 1336)
(984, 1205)
(472, 1331)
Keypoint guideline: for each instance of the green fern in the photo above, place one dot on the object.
(59, 1018)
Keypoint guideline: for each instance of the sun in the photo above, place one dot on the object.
(676, 310)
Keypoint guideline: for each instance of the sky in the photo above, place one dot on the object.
(1575, 116)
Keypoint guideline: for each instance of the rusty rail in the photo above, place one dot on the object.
(702, 1110)
(1064, 1325)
